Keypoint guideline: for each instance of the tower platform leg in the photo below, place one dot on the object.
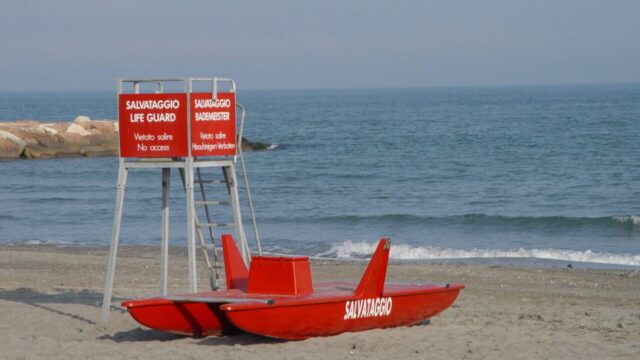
(164, 250)
(115, 237)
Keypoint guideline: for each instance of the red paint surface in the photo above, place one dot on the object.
(372, 282)
(235, 269)
(210, 136)
(182, 318)
(280, 275)
(324, 313)
(291, 317)
(144, 134)
(330, 308)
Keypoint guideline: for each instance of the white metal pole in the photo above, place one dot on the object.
(191, 239)
(115, 237)
(251, 211)
(246, 180)
(164, 251)
(237, 214)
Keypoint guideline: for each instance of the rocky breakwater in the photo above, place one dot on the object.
(31, 139)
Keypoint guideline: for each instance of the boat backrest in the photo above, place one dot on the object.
(234, 267)
(372, 282)
(280, 275)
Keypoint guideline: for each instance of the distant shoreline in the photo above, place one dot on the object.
(500, 262)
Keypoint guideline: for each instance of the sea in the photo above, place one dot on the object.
(521, 175)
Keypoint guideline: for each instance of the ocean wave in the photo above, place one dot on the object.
(54, 199)
(627, 219)
(349, 249)
(619, 221)
(39, 242)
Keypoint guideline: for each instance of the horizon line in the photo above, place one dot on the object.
(368, 87)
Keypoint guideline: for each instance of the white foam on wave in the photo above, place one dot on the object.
(272, 146)
(634, 219)
(349, 249)
(39, 242)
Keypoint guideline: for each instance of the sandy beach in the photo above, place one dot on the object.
(50, 307)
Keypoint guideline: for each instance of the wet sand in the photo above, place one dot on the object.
(50, 302)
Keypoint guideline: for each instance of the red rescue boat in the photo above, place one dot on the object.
(276, 298)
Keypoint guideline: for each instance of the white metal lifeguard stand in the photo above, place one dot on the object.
(185, 130)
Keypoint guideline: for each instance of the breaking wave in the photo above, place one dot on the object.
(349, 249)
(40, 242)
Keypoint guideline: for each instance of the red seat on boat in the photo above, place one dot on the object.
(280, 275)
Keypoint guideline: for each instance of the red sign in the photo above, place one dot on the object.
(153, 125)
(213, 124)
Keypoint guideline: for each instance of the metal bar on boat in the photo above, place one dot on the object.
(220, 300)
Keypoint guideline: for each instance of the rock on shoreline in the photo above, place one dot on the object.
(29, 139)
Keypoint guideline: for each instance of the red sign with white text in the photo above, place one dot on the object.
(213, 124)
(153, 125)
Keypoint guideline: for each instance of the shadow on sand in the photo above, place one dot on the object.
(44, 300)
(91, 298)
(141, 335)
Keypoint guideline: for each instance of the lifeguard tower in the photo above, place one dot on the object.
(191, 131)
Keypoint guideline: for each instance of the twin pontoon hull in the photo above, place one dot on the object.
(276, 298)
(190, 318)
(329, 311)
(302, 318)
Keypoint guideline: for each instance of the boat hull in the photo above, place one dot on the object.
(331, 316)
(276, 298)
(183, 318)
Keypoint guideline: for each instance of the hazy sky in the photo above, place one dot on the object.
(87, 45)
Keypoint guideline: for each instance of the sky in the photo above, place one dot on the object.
(84, 45)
